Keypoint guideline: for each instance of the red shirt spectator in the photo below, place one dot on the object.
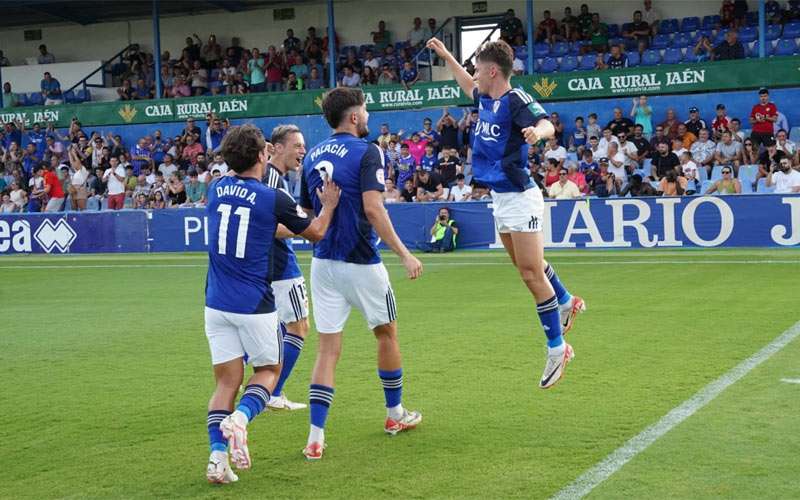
(51, 179)
(763, 117)
(191, 150)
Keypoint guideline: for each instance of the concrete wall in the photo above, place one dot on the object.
(27, 78)
(354, 21)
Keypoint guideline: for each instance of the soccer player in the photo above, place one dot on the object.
(243, 216)
(346, 270)
(289, 285)
(507, 118)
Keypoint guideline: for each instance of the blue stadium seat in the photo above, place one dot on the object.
(681, 41)
(541, 49)
(69, 97)
(401, 45)
(719, 37)
(791, 30)
(625, 27)
(672, 56)
(22, 99)
(747, 187)
(748, 34)
(668, 26)
(773, 32)
(521, 51)
(710, 22)
(705, 186)
(651, 58)
(548, 65)
(633, 58)
(747, 173)
(214, 74)
(785, 47)
(702, 174)
(689, 24)
(559, 49)
(762, 187)
(364, 48)
(716, 173)
(575, 47)
(752, 18)
(794, 134)
(35, 99)
(660, 42)
(587, 62)
(568, 63)
(613, 30)
(768, 49)
(616, 41)
(83, 95)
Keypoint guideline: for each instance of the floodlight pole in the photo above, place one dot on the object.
(529, 10)
(762, 28)
(331, 47)
(157, 50)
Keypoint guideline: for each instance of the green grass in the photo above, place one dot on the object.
(106, 377)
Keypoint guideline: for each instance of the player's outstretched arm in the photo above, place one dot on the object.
(544, 129)
(461, 76)
(379, 218)
(329, 198)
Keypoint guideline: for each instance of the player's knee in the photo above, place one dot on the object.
(330, 350)
(532, 274)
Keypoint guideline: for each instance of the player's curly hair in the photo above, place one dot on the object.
(336, 102)
(499, 53)
(241, 146)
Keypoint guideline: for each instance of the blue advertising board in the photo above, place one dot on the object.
(696, 221)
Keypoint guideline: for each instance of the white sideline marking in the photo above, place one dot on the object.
(590, 479)
(791, 380)
(428, 264)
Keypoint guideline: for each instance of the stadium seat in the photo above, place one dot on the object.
(559, 49)
(668, 26)
(710, 22)
(613, 30)
(660, 42)
(633, 58)
(672, 56)
(702, 174)
(785, 47)
(548, 65)
(748, 34)
(83, 95)
(794, 134)
(747, 173)
(681, 41)
(773, 32)
(768, 49)
(364, 48)
(541, 50)
(716, 173)
(651, 58)
(35, 99)
(762, 187)
(752, 18)
(568, 63)
(616, 41)
(719, 37)
(22, 99)
(705, 185)
(69, 97)
(625, 27)
(587, 62)
(575, 47)
(747, 187)
(791, 30)
(689, 24)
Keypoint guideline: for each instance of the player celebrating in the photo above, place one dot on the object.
(240, 317)
(508, 118)
(346, 270)
(289, 285)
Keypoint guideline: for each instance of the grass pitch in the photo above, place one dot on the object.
(106, 378)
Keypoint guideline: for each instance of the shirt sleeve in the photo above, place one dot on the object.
(476, 98)
(525, 110)
(305, 197)
(289, 214)
(372, 170)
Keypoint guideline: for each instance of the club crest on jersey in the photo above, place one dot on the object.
(495, 106)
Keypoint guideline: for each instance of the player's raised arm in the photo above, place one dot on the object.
(379, 218)
(461, 76)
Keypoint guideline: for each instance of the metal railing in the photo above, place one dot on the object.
(117, 58)
(422, 50)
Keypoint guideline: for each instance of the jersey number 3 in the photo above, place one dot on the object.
(241, 235)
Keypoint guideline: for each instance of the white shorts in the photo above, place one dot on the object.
(338, 286)
(291, 299)
(231, 335)
(518, 212)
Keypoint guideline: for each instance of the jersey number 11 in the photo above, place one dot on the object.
(241, 235)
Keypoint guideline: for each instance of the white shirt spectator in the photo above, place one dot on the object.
(729, 151)
(702, 151)
(559, 153)
(373, 63)
(566, 192)
(78, 177)
(788, 147)
(417, 36)
(679, 152)
(150, 179)
(115, 186)
(784, 183)
(167, 170)
(602, 147)
(630, 148)
(619, 172)
(458, 194)
(222, 167)
(351, 81)
(519, 66)
(782, 123)
(689, 170)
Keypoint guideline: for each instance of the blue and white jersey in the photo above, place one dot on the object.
(356, 166)
(243, 215)
(284, 261)
(37, 138)
(496, 160)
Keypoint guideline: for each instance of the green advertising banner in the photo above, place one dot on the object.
(667, 79)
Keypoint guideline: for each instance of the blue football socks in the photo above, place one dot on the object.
(551, 321)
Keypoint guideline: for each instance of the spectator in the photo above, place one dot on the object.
(372, 62)
(408, 75)
(429, 161)
(51, 90)
(558, 125)
(18, 196)
(214, 134)
(314, 81)
(418, 34)
(651, 16)
(177, 193)
(569, 26)
(577, 140)
(703, 50)
(406, 165)
(620, 123)
(199, 79)
(143, 90)
(293, 83)
(368, 77)
(689, 171)
(637, 188)
(578, 178)
(291, 42)
(416, 146)
(664, 161)
(429, 186)
(53, 188)
(584, 22)
(784, 178)
(600, 62)
(555, 151)
(350, 78)
(387, 76)
(736, 130)
(256, 70)
(629, 152)
(551, 172)
(408, 193)
(726, 185)
(773, 11)
(448, 130)
(762, 117)
(728, 152)
(592, 128)
(730, 48)
(671, 124)
(598, 34)
(390, 58)
(784, 144)
(7, 206)
(449, 166)
(511, 25)
(617, 164)
(45, 57)
(768, 161)
(703, 150)
(460, 191)
(642, 114)
(602, 146)
(604, 184)
(638, 30)
(687, 138)
(672, 184)
(721, 123)
(443, 233)
(180, 89)
(4, 60)
(643, 148)
(740, 12)
(381, 38)
(547, 30)
(518, 66)
(781, 123)
(695, 124)
(191, 150)
(10, 99)
(36, 187)
(391, 194)
(195, 191)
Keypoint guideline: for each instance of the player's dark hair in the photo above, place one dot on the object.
(336, 102)
(281, 133)
(241, 147)
(499, 53)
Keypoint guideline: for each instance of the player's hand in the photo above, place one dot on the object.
(413, 266)
(437, 46)
(531, 137)
(329, 195)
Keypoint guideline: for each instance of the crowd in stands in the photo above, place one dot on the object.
(640, 152)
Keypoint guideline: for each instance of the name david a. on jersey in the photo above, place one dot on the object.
(237, 191)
